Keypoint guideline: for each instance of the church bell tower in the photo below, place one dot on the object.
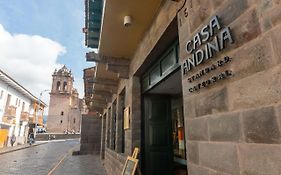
(62, 115)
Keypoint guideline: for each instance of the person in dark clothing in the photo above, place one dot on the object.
(31, 138)
(13, 139)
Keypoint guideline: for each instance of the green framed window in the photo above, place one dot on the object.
(166, 64)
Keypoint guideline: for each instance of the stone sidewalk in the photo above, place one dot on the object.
(81, 165)
(19, 147)
(66, 163)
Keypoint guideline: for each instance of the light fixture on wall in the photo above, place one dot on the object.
(127, 21)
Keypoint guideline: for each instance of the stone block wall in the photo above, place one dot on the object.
(56, 121)
(56, 136)
(74, 118)
(91, 135)
(114, 162)
(234, 126)
(115, 159)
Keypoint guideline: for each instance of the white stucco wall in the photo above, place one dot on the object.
(15, 96)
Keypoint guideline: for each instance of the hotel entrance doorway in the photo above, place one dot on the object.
(164, 141)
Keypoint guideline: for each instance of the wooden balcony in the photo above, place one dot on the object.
(40, 120)
(24, 116)
(32, 118)
(9, 120)
(10, 111)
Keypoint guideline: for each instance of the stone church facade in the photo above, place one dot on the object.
(64, 111)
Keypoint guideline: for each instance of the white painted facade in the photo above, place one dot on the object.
(22, 100)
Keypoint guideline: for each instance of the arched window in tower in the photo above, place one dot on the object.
(64, 86)
(58, 86)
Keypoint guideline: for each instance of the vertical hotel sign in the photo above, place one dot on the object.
(210, 39)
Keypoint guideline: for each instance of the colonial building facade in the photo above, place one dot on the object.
(19, 111)
(64, 109)
(195, 84)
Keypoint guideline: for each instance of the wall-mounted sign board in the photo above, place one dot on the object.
(127, 118)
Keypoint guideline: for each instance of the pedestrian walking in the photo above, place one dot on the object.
(31, 139)
(13, 139)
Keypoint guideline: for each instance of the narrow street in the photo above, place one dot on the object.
(50, 158)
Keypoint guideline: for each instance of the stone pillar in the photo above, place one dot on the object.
(133, 134)
(107, 130)
(113, 126)
(103, 135)
(90, 135)
(136, 113)
(120, 122)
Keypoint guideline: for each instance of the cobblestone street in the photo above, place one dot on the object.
(50, 158)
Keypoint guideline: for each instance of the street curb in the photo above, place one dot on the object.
(28, 146)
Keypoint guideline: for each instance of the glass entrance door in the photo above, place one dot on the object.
(158, 136)
(179, 149)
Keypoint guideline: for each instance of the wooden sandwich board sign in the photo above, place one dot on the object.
(131, 164)
(136, 153)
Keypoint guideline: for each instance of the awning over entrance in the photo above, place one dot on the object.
(116, 43)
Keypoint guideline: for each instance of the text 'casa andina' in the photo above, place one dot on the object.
(205, 43)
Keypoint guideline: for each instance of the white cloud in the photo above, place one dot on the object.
(30, 60)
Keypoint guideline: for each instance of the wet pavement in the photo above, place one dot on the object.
(54, 157)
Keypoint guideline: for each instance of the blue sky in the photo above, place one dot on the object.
(58, 23)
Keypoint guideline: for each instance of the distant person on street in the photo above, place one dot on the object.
(31, 139)
(13, 139)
